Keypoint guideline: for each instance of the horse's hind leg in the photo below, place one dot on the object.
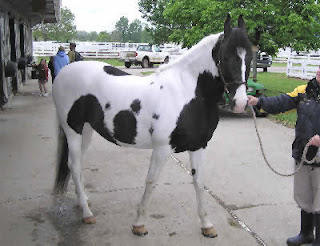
(197, 162)
(86, 139)
(158, 159)
(74, 163)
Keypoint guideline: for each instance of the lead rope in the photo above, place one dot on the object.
(303, 158)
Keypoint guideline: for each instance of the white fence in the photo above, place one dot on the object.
(303, 67)
(95, 49)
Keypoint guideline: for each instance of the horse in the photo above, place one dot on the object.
(171, 111)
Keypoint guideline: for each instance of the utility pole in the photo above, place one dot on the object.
(254, 62)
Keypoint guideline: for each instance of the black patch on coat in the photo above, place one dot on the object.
(108, 105)
(151, 83)
(161, 87)
(87, 109)
(114, 71)
(193, 171)
(125, 127)
(155, 116)
(151, 130)
(136, 106)
(198, 118)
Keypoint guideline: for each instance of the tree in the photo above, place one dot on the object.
(104, 37)
(272, 24)
(62, 31)
(152, 11)
(82, 36)
(145, 35)
(122, 26)
(134, 31)
(115, 36)
(93, 36)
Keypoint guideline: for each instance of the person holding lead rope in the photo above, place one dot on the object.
(306, 99)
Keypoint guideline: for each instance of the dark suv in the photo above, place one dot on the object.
(264, 61)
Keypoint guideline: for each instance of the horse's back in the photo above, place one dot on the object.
(115, 104)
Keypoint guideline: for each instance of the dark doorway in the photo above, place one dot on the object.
(21, 26)
(22, 68)
(14, 81)
(12, 40)
(3, 86)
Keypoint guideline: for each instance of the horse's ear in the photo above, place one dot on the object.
(227, 25)
(241, 23)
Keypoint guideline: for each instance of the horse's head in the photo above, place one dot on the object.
(234, 58)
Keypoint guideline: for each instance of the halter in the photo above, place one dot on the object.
(226, 84)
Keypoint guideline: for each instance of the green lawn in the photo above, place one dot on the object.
(278, 83)
(279, 64)
(112, 61)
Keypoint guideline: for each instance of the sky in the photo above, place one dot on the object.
(101, 15)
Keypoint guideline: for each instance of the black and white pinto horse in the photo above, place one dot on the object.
(173, 110)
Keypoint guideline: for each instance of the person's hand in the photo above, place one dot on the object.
(252, 101)
(315, 140)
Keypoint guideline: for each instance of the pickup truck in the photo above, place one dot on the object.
(145, 55)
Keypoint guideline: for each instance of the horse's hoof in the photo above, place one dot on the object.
(139, 231)
(89, 220)
(209, 232)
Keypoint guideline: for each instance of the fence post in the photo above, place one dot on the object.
(303, 65)
(289, 66)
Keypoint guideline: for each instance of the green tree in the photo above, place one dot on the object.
(63, 31)
(122, 27)
(152, 11)
(104, 37)
(93, 36)
(134, 31)
(272, 24)
(145, 36)
(115, 36)
(82, 36)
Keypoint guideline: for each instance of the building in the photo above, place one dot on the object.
(17, 17)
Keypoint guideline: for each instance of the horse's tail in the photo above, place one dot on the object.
(63, 171)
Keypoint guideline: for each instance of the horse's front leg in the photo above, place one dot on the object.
(158, 159)
(197, 161)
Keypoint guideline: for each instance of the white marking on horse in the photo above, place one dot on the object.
(242, 54)
(240, 97)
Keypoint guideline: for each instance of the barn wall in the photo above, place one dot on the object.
(14, 45)
(16, 41)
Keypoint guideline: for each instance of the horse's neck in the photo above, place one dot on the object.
(198, 59)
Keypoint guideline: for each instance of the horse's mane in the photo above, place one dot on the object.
(210, 40)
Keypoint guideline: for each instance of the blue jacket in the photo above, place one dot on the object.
(306, 99)
(59, 61)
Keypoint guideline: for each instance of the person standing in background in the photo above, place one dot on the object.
(43, 77)
(72, 52)
(60, 60)
(51, 67)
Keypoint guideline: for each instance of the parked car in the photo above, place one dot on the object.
(145, 55)
(264, 61)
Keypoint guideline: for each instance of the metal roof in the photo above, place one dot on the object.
(34, 11)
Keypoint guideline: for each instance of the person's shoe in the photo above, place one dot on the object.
(41, 94)
(316, 241)
(306, 234)
(45, 94)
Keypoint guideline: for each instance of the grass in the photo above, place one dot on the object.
(276, 84)
(112, 61)
(279, 64)
(147, 73)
